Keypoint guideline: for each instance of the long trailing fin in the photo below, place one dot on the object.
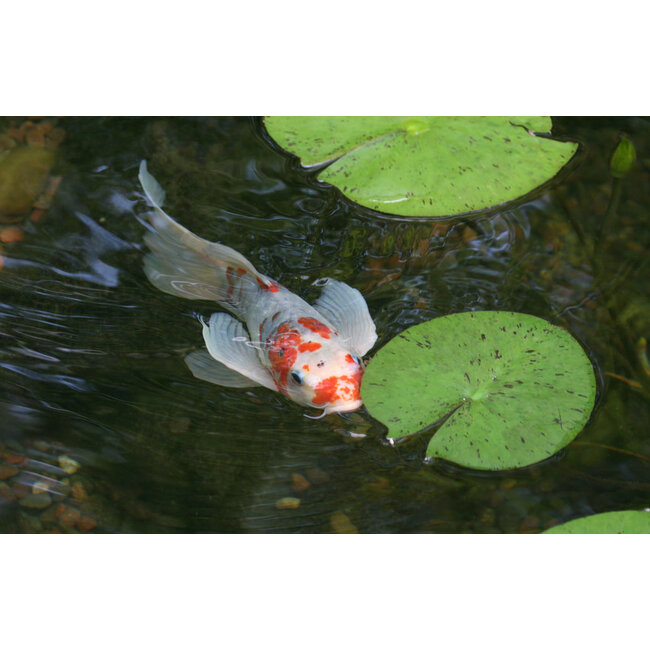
(185, 265)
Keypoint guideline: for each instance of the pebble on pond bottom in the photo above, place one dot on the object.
(287, 503)
(341, 523)
(38, 501)
(8, 471)
(299, 483)
(68, 465)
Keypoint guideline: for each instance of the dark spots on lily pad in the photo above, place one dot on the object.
(455, 432)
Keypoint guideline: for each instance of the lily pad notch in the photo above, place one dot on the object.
(426, 166)
(510, 389)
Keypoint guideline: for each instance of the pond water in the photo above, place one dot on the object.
(105, 430)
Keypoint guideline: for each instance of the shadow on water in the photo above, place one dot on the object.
(104, 429)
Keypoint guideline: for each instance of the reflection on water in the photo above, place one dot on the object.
(105, 430)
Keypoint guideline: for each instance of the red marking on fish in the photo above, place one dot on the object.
(272, 286)
(316, 326)
(326, 391)
(229, 280)
(349, 359)
(306, 367)
(310, 346)
(335, 388)
(231, 276)
(283, 354)
(285, 327)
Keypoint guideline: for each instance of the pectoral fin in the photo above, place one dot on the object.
(228, 343)
(203, 366)
(346, 309)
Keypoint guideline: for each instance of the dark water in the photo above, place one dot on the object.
(91, 355)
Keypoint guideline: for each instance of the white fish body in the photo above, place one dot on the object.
(311, 354)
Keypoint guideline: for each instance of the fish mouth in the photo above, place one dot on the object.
(345, 407)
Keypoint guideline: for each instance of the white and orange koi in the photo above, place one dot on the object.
(311, 354)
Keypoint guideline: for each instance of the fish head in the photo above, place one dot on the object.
(311, 366)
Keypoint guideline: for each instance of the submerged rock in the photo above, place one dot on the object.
(23, 175)
(69, 516)
(85, 524)
(68, 465)
(299, 483)
(79, 492)
(38, 501)
(341, 523)
(6, 493)
(8, 471)
(287, 503)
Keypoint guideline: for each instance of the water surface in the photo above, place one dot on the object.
(91, 355)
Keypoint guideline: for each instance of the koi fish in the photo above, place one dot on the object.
(311, 354)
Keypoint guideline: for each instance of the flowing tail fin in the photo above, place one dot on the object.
(182, 264)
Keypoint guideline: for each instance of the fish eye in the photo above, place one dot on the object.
(296, 376)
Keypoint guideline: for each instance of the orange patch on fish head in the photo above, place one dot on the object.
(309, 346)
(339, 387)
(313, 369)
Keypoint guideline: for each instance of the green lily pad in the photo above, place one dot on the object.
(513, 388)
(426, 166)
(622, 521)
